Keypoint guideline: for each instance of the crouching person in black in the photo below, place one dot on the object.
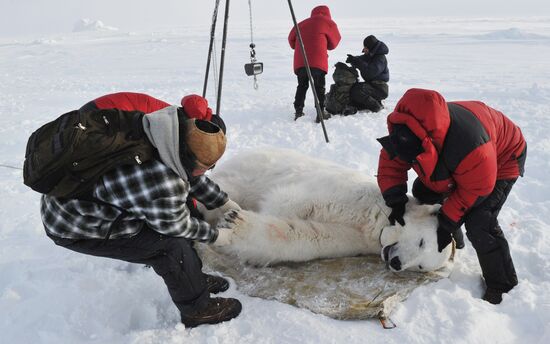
(138, 214)
(373, 67)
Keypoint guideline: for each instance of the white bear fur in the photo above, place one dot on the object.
(297, 208)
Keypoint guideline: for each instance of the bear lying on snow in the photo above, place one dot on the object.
(297, 208)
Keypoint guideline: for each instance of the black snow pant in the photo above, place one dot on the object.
(368, 95)
(303, 85)
(172, 258)
(484, 232)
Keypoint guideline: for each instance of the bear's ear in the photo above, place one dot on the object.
(389, 235)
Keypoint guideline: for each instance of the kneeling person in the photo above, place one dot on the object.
(373, 67)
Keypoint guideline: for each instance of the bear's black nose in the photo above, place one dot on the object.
(395, 263)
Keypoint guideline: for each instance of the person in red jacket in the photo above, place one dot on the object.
(467, 156)
(319, 33)
(193, 106)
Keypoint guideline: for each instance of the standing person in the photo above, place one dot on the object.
(319, 34)
(467, 156)
(373, 67)
(137, 212)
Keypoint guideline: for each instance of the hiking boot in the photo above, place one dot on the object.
(215, 284)
(215, 311)
(493, 296)
(326, 116)
(299, 113)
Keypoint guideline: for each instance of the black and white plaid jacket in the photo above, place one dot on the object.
(150, 193)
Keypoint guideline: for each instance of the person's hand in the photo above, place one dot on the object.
(350, 59)
(214, 215)
(229, 205)
(444, 238)
(225, 228)
(397, 213)
(459, 239)
(446, 231)
(224, 237)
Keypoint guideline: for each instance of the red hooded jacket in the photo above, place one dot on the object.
(319, 34)
(195, 106)
(129, 101)
(467, 147)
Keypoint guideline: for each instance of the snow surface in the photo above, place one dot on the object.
(52, 295)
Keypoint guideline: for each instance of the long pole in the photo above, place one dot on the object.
(224, 39)
(212, 36)
(311, 83)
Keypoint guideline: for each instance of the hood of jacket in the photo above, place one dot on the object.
(426, 113)
(321, 11)
(379, 49)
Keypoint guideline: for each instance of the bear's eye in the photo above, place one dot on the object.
(420, 267)
(421, 243)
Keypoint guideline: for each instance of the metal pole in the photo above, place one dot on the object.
(224, 39)
(311, 83)
(212, 36)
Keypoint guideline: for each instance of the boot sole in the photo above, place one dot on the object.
(222, 316)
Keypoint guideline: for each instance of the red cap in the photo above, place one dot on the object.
(196, 106)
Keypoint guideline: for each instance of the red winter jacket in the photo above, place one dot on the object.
(129, 101)
(195, 106)
(319, 34)
(467, 147)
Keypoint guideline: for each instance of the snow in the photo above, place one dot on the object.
(86, 24)
(52, 295)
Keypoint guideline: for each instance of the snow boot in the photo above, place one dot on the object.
(214, 311)
(492, 296)
(326, 116)
(216, 284)
(298, 113)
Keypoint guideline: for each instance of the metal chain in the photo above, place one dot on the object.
(252, 45)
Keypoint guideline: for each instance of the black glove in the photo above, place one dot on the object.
(397, 212)
(459, 239)
(350, 59)
(446, 231)
(444, 238)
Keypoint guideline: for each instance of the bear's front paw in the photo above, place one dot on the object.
(226, 228)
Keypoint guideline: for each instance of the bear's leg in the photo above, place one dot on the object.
(265, 239)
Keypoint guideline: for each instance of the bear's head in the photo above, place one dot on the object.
(414, 246)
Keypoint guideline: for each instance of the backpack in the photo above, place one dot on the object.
(67, 156)
(338, 96)
(344, 74)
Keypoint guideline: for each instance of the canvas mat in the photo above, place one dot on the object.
(351, 288)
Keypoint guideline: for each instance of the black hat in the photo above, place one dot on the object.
(402, 142)
(370, 41)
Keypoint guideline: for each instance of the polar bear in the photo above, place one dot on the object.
(297, 208)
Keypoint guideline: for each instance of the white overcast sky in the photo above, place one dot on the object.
(54, 16)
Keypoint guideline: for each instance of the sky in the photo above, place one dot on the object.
(22, 17)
